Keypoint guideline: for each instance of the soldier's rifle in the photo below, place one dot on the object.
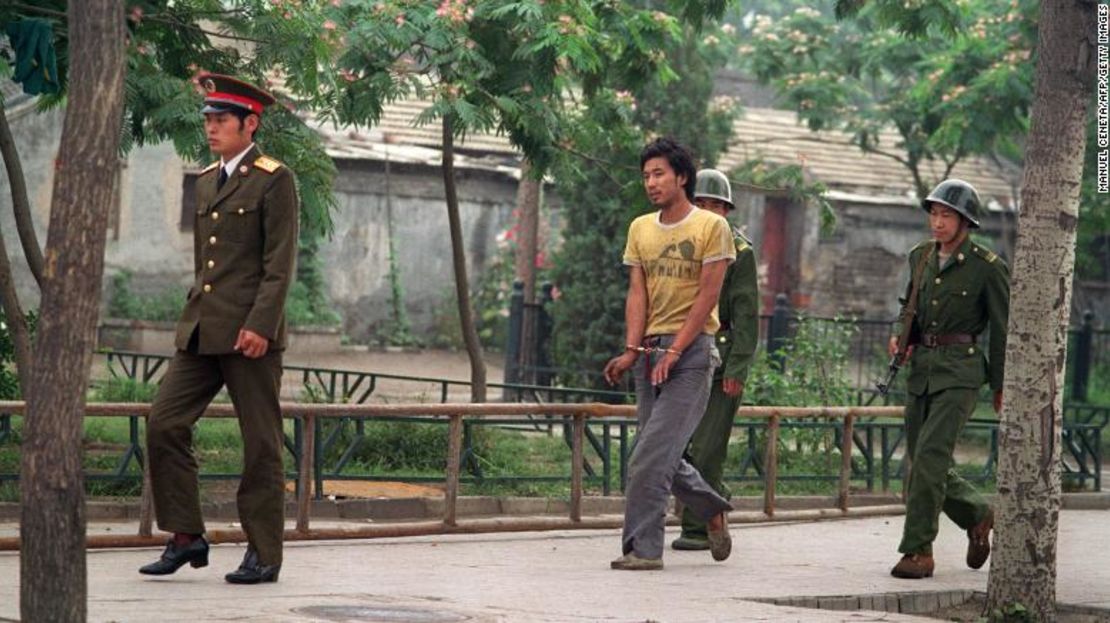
(909, 312)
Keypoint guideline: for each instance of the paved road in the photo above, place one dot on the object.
(559, 577)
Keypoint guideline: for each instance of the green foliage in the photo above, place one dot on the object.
(813, 369)
(305, 309)
(123, 389)
(791, 179)
(1012, 613)
(9, 376)
(947, 92)
(164, 306)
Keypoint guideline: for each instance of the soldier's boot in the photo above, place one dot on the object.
(979, 541)
(690, 542)
(914, 567)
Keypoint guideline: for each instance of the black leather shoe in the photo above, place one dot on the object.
(173, 558)
(252, 571)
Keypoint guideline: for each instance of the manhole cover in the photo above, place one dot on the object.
(381, 614)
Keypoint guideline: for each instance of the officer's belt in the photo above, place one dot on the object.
(932, 340)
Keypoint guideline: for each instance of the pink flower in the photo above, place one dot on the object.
(329, 25)
(400, 20)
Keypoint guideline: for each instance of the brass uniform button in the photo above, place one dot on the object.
(960, 257)
(971, 351)
(934, 301)
(937, 281)
(241, 210)
(211, 263)
(215, 216)
(212, 240)
(207, 287)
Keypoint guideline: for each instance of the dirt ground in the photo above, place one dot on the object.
(972, 610)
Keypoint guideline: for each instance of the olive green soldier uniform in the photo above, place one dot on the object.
(738, 310)
(245, 246)
(956, 302)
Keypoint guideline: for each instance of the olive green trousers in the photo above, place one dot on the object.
(188, 387)
(933, 425)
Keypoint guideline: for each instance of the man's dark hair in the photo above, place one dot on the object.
(680, 159)
(242, 114)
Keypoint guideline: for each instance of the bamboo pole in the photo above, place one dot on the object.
(304, 472)
(771, 466)
(577, 458)
(467, 526)
(454, 458)
(845, 463)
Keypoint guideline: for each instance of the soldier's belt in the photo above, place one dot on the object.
(932, 340)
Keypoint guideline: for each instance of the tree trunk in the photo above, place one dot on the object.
(52, 524)
(21, 204)
(1023, 564)
(458, 258)
(528, 206)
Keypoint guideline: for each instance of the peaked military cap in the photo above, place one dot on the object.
(224, 93)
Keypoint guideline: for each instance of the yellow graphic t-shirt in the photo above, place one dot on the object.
(671, 257)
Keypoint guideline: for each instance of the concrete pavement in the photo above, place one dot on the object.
(547, 577)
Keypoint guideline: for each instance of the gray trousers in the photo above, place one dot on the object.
(667, 416)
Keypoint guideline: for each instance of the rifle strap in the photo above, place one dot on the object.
(911, 304)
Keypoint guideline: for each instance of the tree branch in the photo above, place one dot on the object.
(21, 205)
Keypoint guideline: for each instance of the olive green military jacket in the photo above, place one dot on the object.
(738, 309)
(245, 250)
(968, 295)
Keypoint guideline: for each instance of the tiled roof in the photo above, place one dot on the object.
(774, 135)
(831, 158)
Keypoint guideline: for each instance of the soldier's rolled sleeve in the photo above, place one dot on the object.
(744, 320)
(279, 255)
(998, 311)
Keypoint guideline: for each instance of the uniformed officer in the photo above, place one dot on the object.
(232, 332)
(738, 310)
(962, 290)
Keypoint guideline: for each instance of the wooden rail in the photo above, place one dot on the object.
(456, 413)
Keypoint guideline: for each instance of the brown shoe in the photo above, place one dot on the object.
(720, 541)
(632, 562)
(914, 567)
(979, 541)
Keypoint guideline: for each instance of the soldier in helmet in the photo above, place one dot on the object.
(231, 333)
(738, 311)
(958, 290)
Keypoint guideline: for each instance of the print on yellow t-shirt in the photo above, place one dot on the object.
(671, 256)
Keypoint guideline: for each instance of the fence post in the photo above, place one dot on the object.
(846, 440)
(776, 329)
(454, 455)
(576, 467)
(1082, 373)
(146, 501)
(541, 361)
(513, 345)
(771, 466)
(304, 472)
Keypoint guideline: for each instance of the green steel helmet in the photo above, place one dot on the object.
(958, 195)
(712, 184)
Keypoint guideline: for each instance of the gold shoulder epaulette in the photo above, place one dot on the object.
(267, 164)
(740, 239)
(210, 167)
(985, 253)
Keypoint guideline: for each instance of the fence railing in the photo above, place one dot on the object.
(456, 414)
